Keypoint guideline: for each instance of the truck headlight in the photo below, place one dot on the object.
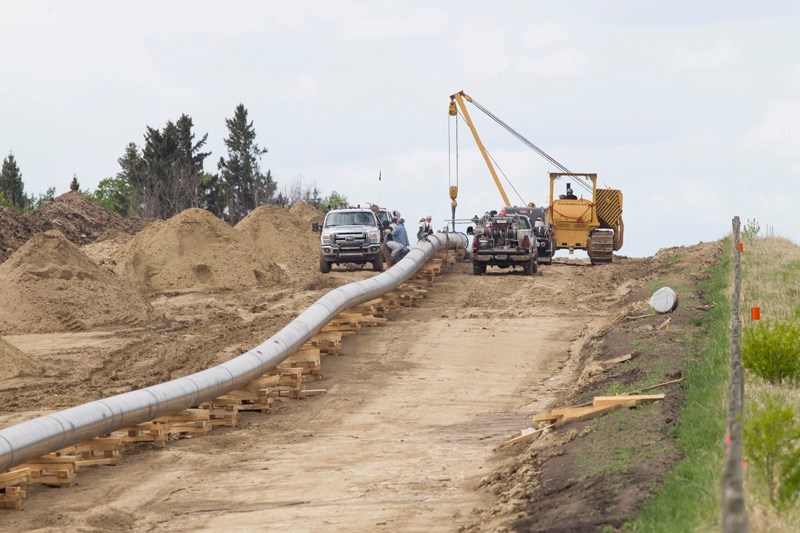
(374, 236)
(326, 239)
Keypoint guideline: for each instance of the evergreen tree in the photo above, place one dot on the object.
(11, 183)
(212, 194)
(245, 186)
(132, 174)
(167, 176)
(74, 185)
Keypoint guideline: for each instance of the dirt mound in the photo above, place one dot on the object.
(13, 232)
(15, 363)
(79, 219)
(193, 250)
(49, 285)
(283, 235)
(102, 250)
(306, 212)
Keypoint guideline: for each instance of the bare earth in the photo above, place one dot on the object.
(405, 437)
(402, 438)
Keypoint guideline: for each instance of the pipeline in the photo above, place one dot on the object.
(39, 436)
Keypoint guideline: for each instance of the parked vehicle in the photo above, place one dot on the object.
(351, 235)
(504, 241)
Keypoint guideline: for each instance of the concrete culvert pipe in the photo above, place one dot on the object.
(664, 300)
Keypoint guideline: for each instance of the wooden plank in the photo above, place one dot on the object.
(600, 401)
(586, 413)
(51, 470)
(14, 477)
(617, 360)
(525, 436)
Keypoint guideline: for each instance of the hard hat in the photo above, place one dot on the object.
(428, 218)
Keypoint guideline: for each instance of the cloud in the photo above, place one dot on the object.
(778, 131)
(366, 27)
(303, 86)
(567, 62)
(543, 34)
(722, 54)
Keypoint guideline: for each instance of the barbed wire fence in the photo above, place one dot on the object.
(734, 512)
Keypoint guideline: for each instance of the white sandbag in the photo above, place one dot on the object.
(664, 300)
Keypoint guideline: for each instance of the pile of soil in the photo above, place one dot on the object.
(79, 219)
(102, 250)
(284, 235)
(49, 285)
(13, 232)
(193, 250)
(306, 212)
(14, 363)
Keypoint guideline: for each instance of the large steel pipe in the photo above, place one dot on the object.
(45, 434)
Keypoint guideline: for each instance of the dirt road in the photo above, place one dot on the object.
(405, 432)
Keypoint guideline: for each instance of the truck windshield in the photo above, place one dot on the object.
(356, 218)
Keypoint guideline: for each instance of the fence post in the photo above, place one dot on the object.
(734, 512)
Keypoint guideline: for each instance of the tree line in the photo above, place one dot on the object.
(166, 175)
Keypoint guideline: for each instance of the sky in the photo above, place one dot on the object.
(692, 109)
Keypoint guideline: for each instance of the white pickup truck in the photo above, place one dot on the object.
(350, 235)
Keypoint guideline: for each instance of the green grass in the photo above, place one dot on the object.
(690, 497)
(599, 459)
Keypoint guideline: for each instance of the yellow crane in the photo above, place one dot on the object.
(593, 224)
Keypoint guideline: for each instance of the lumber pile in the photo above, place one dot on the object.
(600, 405)
(152, 431)
(97, 451)
(52, 471)
(13, 487)
(328, 343)
(195, 422)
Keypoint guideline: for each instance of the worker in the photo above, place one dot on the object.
(570, 195)
(425, 228)
(389, 244)
(399, 235)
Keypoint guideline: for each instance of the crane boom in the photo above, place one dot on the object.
(458, 98)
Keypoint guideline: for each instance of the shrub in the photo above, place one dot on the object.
(751, 228)
(772, 444)
(772, 350)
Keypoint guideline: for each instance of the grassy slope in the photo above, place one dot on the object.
(771, 280)
(689, 500)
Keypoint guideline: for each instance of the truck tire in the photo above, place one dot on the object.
(534, 266)
(478, 268)
(377, 263)
(324, 265)
(527, 268)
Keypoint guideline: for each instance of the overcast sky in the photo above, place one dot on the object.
(691, 108)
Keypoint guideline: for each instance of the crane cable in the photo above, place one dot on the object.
(521, 199)
(452, 189)
(530, 145)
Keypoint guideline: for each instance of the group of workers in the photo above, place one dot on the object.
(396, 237)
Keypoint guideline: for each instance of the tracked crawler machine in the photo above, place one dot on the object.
(593, 224)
